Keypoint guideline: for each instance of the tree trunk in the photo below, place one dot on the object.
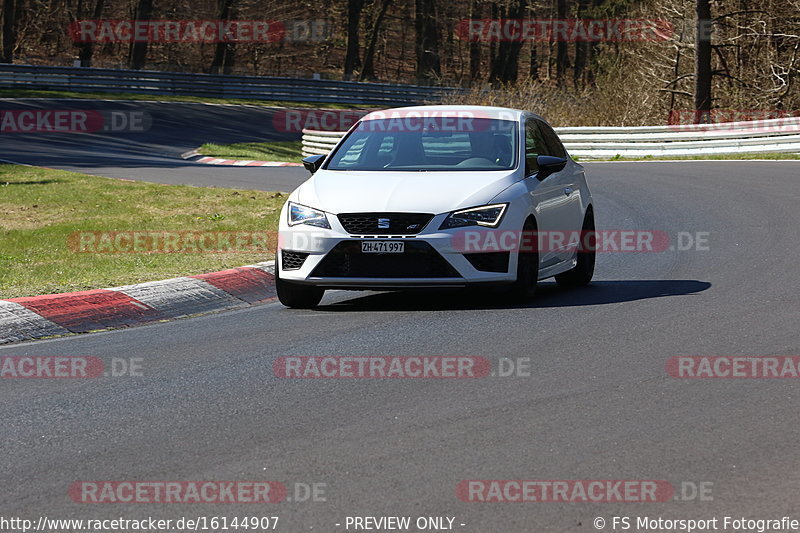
(224, 52)
(427, 42)
(533, 72)
(9, 32)
(368, 72)
(592, 51)
(494, 15)
(505, 67)
(581, 50)
(86, 50)
(351, 58)
(138, 56)
(475, 47)
(702, 61)
(562, 57)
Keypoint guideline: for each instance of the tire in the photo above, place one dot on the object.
(583, 271)
(524, 288)
(295, 295)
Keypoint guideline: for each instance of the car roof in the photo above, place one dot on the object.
(483, 111)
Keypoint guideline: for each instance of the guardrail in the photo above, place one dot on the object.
(780, 135)
(100, 80)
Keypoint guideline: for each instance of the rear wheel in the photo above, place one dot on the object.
(524, 288)
(583, 271)
(296, 295)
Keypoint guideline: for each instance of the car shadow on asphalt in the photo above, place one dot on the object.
(548, 295)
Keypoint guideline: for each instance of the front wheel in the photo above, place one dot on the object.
(524, 288)
(581, 274)
(296, 295)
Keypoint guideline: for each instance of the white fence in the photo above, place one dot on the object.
(781, 135)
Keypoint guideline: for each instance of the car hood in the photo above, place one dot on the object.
(421, 192)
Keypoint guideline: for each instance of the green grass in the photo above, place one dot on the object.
(34, 93)
(726, 157)
(43, 208)
(287, 151)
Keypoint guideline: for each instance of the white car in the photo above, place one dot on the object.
(437, 196)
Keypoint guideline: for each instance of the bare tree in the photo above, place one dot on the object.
(86, 49)
(352, 58)
(475, 46)
(427, 43)
(9, 31)
(138, 52)
(702, 61)
(581, 49)
(368, 72)
(533, 72)
(494, 10)
(562, 53)
(505, 65)
(224, 53)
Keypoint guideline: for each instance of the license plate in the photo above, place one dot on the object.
(382, 247)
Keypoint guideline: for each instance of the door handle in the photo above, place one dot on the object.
(568, 190)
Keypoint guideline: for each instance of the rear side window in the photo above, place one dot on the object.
(554, 146)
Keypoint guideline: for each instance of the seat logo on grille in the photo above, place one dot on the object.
(384, 223)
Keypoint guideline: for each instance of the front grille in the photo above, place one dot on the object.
(489, 261)
(419, 260)
(394, 223)
(292, 260)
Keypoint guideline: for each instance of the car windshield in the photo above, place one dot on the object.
(428, 144)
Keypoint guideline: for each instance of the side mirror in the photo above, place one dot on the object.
(549, 164)
(313, 162)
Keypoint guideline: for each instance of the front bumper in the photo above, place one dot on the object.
(332, 258)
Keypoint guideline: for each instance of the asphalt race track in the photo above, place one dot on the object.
(598, 403)
(152, 155)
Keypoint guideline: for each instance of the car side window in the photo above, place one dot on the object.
(554, 146)
(534, 146)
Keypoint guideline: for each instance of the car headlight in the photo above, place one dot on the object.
(488, 216)
(300, 214)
